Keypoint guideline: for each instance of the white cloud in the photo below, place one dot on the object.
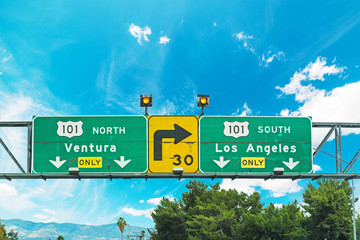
(278, 205)
(277, 187)
(17, 107)
(156, 201)
(141, 201)
(321, 104)
(316, 168)
(44, 218)
(245, 111)
(136, 212)
(246, 40)
(313, 71)
(67, 194)
(5, 56)
(269, 57)
(11, 196)
(252, 44)
(48, 211)
(318, 69)
(164, 40)
(21, 99)
(246, 186)
(281, 187)
(7, 190)
(140, 33)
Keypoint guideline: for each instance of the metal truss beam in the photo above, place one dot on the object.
(335, 127)
(293, 176)
(16, 124)
(332, 124)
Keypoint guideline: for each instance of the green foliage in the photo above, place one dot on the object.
(272, 223)
(2, 232)
(204, 212)
(60, 238)
(207, 212)
(330, 210)
(121, 223)
(169, 219)
(357, 220)
(7, 236)
(13, 235)
(213, 213)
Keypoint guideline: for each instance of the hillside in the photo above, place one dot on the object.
(40, 231)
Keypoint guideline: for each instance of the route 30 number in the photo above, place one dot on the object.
(188, 160)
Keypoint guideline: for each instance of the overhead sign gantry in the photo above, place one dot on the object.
(175, 146)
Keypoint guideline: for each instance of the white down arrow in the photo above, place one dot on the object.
(122, 162)
(291, 164)
(221, 163)
(57, 163)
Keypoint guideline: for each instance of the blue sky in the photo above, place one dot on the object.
(254, 58)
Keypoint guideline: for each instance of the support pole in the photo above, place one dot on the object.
(29, 149)
(340, 150)
(353, 205)
(337, 149)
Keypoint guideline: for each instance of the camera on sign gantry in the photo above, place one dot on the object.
(202, 101)
(146, 101)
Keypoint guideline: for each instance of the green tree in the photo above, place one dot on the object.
(272, 223)
(60, 238)
(13, 235)
(330, 210)
(207, 212)
(212, 213)
(203, 212)
(284, 223)
(121, 223)
(169, 219)
(7, 236)
(142, 234)
(3, 232)
(357, 221)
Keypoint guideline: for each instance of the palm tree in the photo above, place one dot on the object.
(142, 234)
(121, 224)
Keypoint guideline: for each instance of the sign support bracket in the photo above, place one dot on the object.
(11, 155)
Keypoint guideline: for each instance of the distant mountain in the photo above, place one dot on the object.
(45, 231)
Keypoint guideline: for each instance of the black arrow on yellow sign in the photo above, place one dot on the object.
(178, 134)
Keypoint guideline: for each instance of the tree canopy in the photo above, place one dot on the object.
(208, 212)
(330, 210)
(121, 223)
(7, 236)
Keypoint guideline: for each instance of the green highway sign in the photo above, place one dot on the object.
(115, 144)
(255, 144)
